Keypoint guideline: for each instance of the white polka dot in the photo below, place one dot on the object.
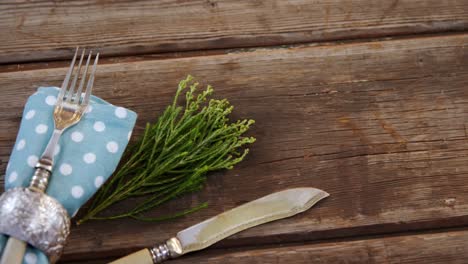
(129, 135)
(66, 169)
(41, 129)
(112, 147)
(89, 109)
(77, 191)
(50, 100)
(57, 150)
(99, 126)
(30, 258)
(13, 176)
(32, 160)
(121, 112)
(21, 144)
(98, 181)
(77, 136)
(89, 158)
(30, 114)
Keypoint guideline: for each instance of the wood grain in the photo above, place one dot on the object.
(447, 247)
(444, 247)
(381, 126)
(39, 30)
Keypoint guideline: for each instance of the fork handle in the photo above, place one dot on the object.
(44, 166)
(47, 159)
(15, 248)
(14, 251)
(40, 180)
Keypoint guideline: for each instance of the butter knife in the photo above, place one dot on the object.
(266, 209)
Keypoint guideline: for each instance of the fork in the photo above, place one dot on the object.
(69, 108)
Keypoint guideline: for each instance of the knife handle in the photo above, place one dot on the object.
(141, 257)
(155, 255)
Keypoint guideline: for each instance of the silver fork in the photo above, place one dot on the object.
(69, 108)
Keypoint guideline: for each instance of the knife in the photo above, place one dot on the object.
(266, 209)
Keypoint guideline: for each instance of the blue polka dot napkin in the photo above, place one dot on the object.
(89, 152)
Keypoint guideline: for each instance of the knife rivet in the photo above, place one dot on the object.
(160, 253)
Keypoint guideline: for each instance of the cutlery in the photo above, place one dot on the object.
(69, 108)
(269, 208)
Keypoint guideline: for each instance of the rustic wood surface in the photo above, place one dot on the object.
(380, 124)
(445, 247)
(35, 30)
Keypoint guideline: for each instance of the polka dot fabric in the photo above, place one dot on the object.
(89, 152)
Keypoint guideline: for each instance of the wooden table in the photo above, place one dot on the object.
(365, 99)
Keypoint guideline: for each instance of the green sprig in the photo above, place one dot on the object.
(174, 155)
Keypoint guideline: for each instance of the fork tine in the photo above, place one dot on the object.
(67, 78)
(89, 86)
(83, 78)
(75, 78)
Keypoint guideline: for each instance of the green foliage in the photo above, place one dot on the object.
(174, 155)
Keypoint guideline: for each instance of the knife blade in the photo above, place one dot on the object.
(269, 208)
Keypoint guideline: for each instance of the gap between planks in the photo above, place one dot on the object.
(123, 27)
(123, 58)
(403, 245)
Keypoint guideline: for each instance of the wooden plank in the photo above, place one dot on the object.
(450, 247)
(38, 30)
(379, 125)
(445, 247)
